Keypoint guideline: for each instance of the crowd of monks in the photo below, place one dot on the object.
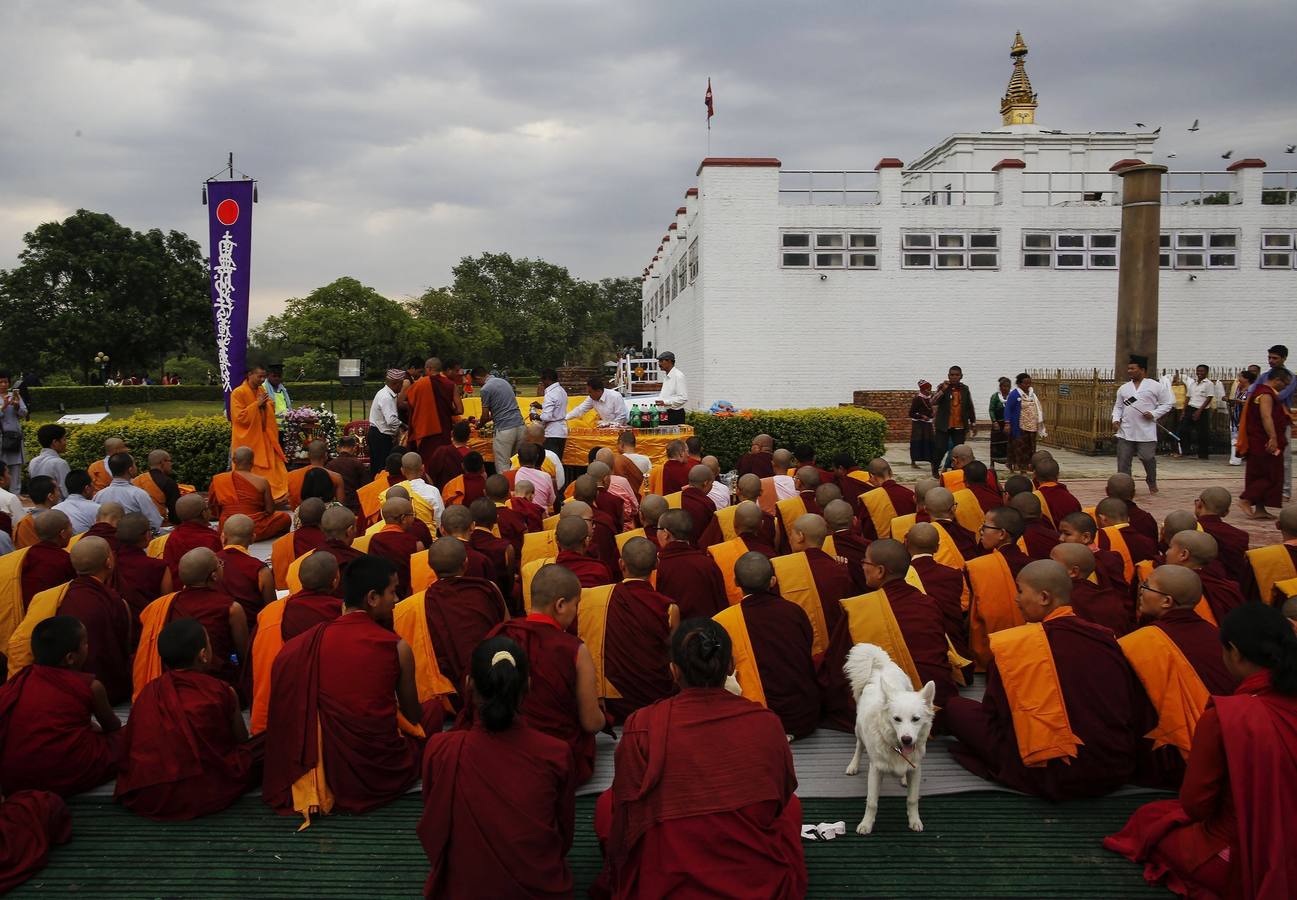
(383, 643)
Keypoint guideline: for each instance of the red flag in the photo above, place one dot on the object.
(711, 105)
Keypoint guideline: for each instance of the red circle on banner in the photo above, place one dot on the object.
(227, 212)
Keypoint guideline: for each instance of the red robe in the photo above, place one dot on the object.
(306, 609)
(988, 498)
(781, 639)
(1141, 522)
(1106, 708)
(1101, 605)
(497, 551)
(965, 541)
(852, 547)
(923, 627)
(852, 487)
(637, 647)
(1222, 594)
(702, 803)
(499, 812)
(758, 463)
(1110, 567)
(945, 586)
(460, 613)
(1140, 547)
(675, 475)
(469, 487)
(108, 631)
(1231, 543)
(446, 463)
(306, 539)
(606, 501)
(211, 607)
(692, 580)
(700, 509)
(46, 740)
(396, 545)
(532, 514)
(756, 545)
(30, 822)
(344, 554)
(588, 570)
(550, 706)
(1061, 501)
(107, 532)
(241, 580)
(603, 541)
(45, 566)
(832, 583)
(139, 578)
(333, 697)
(512, 525)
(188, 536)
(180, 758)
(1040, 539)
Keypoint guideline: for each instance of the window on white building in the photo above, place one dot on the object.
(1069, 250)
(1277, 250)
(1198, 250)
(682, 271)
(828, 250)
(693, 260)
(953, 250)
(795, 250)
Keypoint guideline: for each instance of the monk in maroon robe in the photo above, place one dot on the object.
(901, 497)
(675, 471)
(694, 499)
(1110, 568)
(47, 741)
(1106, 707)
(394, 543)
(573, 537)
(1060, 500)
(759, 461)
(832, 583)
(203, 598)
(637, 635)
(512, 524)
(105, 529)
(532, 514)
(1232, 543)
(46, 564)
(1091, 601)
(1197, 550)
(1112, 511)
(499, 797)
(335, 694)
(1037, 534)
(339, 527)
(104, 614)
(447, 461)
(705, 780)
(185, 750)
(687, 575)
(140, 578)
(944, 585)
(247, 579)
(847, 544)
(562, 701)
(604, 499)
(316, 602)
(193, 531)
(30, 823)
(460, 611)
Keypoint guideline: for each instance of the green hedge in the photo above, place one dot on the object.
(859, 432)
(90, 396)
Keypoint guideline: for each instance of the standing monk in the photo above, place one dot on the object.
(432, 405)
(242, 490)
(253, 427)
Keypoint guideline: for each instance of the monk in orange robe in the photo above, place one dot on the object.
(991, 582)
(193, 531)
(44, 564)
(47, 741)
(317, 457)
(498, 798)
(30, 823)
(44, 494)
(1071, 735)
(431, 411)
(335, 738)
(247, 579)
(100, 477)
(1211, 508)
(943, 584)
(1196, 550)
(1058, 498)
(563, 700)
(241, 490)
(140, 577)
(470, 484)
(687, 575)
(185, 750)
(1038, 538)
(161, 485)
(253, 426)
(396, 544)
(1079, 528)
(744, 838)
(1091, 601)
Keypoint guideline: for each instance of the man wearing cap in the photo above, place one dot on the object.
(1140, 403)
(673, 396)
(384, 421)
(275, 386)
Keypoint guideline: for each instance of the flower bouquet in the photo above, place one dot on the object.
(303, 424)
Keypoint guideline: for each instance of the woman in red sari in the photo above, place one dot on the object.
(1262, 442)
(1228, 834)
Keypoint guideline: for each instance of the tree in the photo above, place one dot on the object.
(88, 285)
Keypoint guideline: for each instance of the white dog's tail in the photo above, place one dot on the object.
(865, 661)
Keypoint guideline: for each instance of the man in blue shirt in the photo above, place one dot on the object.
(132, 499)
(276, 389)
(500, 405)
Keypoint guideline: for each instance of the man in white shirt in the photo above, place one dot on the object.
(674, 395)
(785, 486)
(132, 499)
(1201, 396)
(553, 412)
(1140, 403)
(720, 492)
(78, 507)
(53, 439)
(426, 499)
(384, 421)
(626, 447)
(9, 503)
(607, 403)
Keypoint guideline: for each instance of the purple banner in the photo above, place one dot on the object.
(229, 211)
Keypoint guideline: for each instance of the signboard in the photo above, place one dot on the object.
(351, 371)
(82, 418)
(1064, 390)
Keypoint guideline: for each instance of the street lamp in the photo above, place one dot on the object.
(101, 360)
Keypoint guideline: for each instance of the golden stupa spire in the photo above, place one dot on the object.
(1018, 106)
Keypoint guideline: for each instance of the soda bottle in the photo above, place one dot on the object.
(653, 417)
(634, 417)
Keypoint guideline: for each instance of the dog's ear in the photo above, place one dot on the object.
(928, 693)
(882, 689)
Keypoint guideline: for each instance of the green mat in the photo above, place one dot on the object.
(974, 845)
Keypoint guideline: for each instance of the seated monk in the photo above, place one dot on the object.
(915, 614)
(616, 492)
(675, 471)
(185, 750)
(1116, 534)
(721, 529)
(1122, 486)
(245, 578)
(804, 456)
(414, 525)
(499, 798)
(1178, 660)
(1092, 601)
(630, 464)
(991, 578)
(25, 573)
(30, 823)
(978, 483)
(806, 481)
(883, 502)
(1063, 711)
(563, 700)
(470, 484)
(512, 524)
(243, 491)
(339, 527)
(161, 485)
(521, 502)
(444, 622)
(427, 500)
(614, 505)
(346, 728)
(47, 741)
(354, 473)
(1273, 563)
(317, 457)
(943, 584)
(100, 476)
(1225, 834)
(651, 509)
(782, 482)
(826, 494)
(603, 530)
(772, 641)
(306, 537)
(758, 461)
(1211, 508)
(1056, 500)
(687, 575)
(632, 623)
(193, 531)
(1038, 538)
(106, 520)
(396, 544)
(44, 494)
(283, 620)
(499, 551)
(953, 478)
(850, 478)
(746, 522)
(200, 597)
(141, 578)
(939, 504)
(573, 538)
(702, 742)
(847, 543)
(1079, 528)
(1176, 521)
(1196, 550)
(1017, 484)
(447, 461)
(459, 525)
(91, 600)
(695, 501)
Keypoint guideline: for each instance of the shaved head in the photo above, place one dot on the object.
(700, 476)
(961, 453)
(572, 533)
(880, 468)
(1178, 521)
(1007, 518)
(190, 507)
(749, 486)
(598, 471)
(497, 488)
(551, 584)
(1200, 547)
(938, 501)
(678, 523)
(812, 528)
(780, 459)
(238, 529)
(412, 465)
(157, 458)
(336, 521)
(1048, 576)
(1121, 486)
(1027, 504)
(1287, 521)
(1017, 484)
(197, 567)
(114, 445)
(826, 494)
(51, 524)
(605, 456)
(922, 538)
(747, 517)
(319, 571)
(394, 508)
(1113, 509)
(808, 477)
(1216, 500)
(1074, 556)
(110, 512)
(317, 452)
(242, 457)
(714, 464)
(651, 508)
(753, 571)
(90, 555)
(585, 489)
(1046, 469)
(763, 442)
(837, 515)
(133, 529)
(457, 520)
(578, 508)
(447, 557)
(921, 488)
(535, 434)
(1184, 585)
(640, 556)
(891, 555)
(311, 511)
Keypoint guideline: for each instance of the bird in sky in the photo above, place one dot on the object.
(1227, 154)
(1170, 156)
(1140, 125)
(1157, 130)
(1291, 148)
(1194, 126)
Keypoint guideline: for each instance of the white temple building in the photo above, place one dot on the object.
(996, 251)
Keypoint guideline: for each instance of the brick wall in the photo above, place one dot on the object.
(573, 378)
(892, 405)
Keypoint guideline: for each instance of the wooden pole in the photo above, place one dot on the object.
(1141, 229)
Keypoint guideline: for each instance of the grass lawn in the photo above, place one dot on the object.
(171, 409)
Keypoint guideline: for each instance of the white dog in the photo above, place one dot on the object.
(892, 725)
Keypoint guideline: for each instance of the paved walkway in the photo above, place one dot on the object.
(1180, 481)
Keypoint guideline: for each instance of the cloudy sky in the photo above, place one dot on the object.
(392, 138)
